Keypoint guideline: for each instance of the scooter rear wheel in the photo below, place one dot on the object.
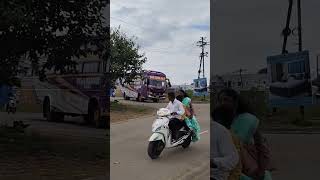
(187, 143)
(155, 148)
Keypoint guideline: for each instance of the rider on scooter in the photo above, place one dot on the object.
(177, 110)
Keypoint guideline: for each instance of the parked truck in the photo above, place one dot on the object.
(150, 85)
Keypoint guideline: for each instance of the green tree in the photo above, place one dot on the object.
(49, 33)
(126, 61)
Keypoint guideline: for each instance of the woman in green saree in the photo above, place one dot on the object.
(190, 118)
(244, 125)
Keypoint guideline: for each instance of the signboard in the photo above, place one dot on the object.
(289, 82)
(160, 78)
(200, 87)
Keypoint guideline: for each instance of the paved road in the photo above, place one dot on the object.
(296, 156)
(129, 158)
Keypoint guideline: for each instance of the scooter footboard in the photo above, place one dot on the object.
(157, 136)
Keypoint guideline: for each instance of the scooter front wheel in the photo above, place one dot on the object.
(155, 148)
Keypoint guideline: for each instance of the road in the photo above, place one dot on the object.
(129, 158)
(296, 156)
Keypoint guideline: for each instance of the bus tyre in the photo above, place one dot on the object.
(94, 113)
(125, 97)
(46, 109)
(103, 122)
(140, 98)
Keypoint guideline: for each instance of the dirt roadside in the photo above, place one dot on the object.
(52, 151)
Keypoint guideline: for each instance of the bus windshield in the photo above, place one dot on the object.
(157, 83)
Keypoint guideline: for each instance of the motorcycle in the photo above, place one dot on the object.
(12, 105)
(161, 135)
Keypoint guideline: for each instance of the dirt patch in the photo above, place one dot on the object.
(123, 112)
(31, 156)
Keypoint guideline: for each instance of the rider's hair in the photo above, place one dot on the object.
(184, 93)
(229, 92)
(171, 94)
(243, 105)
(223, 115)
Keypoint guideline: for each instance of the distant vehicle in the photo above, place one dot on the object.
(151, 85)
(12, 104)
(80, 93)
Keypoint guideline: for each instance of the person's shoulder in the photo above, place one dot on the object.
(248, 116)
(177, 101)
(219, 128)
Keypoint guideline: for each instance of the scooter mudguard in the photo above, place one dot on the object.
(156, 137)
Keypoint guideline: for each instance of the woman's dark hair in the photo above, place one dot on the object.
(184, 93)
(229, 92)
(224, 115)
(243, 105)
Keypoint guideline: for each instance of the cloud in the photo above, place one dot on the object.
(167, 32)
(247, 31)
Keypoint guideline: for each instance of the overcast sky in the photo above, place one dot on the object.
(246, 32)
(167, 31)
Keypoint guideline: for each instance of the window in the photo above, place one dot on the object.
(157, 83)
(91, 67)
(229, 84)
(88, 83)
(296, 67)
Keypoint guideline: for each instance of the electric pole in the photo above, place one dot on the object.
(287, 31)
(202, 44)
(299, 25)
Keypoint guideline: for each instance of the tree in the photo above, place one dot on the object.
(263, 71)
(126, 61)
(49, 33)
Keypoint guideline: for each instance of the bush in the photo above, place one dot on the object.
(190, 93)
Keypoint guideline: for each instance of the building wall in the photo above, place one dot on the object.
(249, 81)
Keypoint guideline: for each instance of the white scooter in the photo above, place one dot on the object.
(161, 136)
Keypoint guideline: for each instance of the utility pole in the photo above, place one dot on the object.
(299, 25)
(202, 43)
(287, 31)
(317, 66)
(240, 74)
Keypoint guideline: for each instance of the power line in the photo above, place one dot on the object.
(202, 44)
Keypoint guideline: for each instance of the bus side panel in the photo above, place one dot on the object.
(62, 100)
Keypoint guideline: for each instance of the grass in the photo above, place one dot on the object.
(198, 99)
(32, 108)
(289, 116)
(19, 142)
(47, 157)
(123, 112)
(127, 108)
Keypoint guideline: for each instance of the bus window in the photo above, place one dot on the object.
(79, 67)
(91, 67)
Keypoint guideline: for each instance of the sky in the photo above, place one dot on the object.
(246, 32)
(167, 32)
